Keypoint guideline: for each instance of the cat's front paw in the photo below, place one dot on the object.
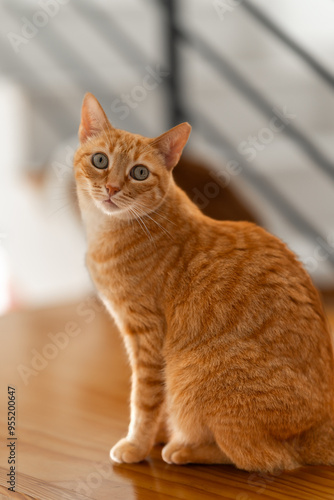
(126, 452)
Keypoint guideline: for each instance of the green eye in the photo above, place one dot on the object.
(139, 172)
(100, 160)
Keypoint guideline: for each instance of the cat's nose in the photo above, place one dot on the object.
(112, 189)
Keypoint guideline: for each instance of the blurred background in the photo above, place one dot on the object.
(254, 78)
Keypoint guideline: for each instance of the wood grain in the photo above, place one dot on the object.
(70, 412)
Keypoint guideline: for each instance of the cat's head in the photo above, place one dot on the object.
(123, 174)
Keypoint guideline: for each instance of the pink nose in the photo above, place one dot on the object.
(112, 189)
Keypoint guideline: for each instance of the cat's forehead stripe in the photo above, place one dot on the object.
(120, 162)
(131, 150)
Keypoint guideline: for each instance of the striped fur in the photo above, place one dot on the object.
(225, 332)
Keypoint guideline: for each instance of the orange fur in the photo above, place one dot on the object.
(225, 332)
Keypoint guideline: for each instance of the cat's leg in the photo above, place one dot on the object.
(191, 442)
(147, 396)
(163, 433)
(255, 452)
(207, 453)
(316, 445)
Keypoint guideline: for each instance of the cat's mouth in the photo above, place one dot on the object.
(110, 203)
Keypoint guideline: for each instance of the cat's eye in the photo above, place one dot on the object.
(139, 172)
(100, 160)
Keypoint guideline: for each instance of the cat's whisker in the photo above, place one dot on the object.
(139, 218)
(155, 212)
(141, 224)
(157, 223)
(129, 218)
(140, 205)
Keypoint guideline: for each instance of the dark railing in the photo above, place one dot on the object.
(291, 44)
(292, 215)
(213, 136)
(227, 71)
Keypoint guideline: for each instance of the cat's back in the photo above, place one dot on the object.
(240, 256)
(262, 265)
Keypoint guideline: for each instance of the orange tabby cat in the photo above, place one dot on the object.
(225, 332)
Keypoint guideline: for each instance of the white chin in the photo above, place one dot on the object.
(110, 209)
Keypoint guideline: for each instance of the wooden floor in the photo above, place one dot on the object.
(73, 406)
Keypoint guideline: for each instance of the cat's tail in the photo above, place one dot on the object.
(316, 445)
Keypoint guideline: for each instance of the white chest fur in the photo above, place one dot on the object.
(114, 312)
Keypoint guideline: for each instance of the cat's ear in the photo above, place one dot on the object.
(93, 118)
(172, 142)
